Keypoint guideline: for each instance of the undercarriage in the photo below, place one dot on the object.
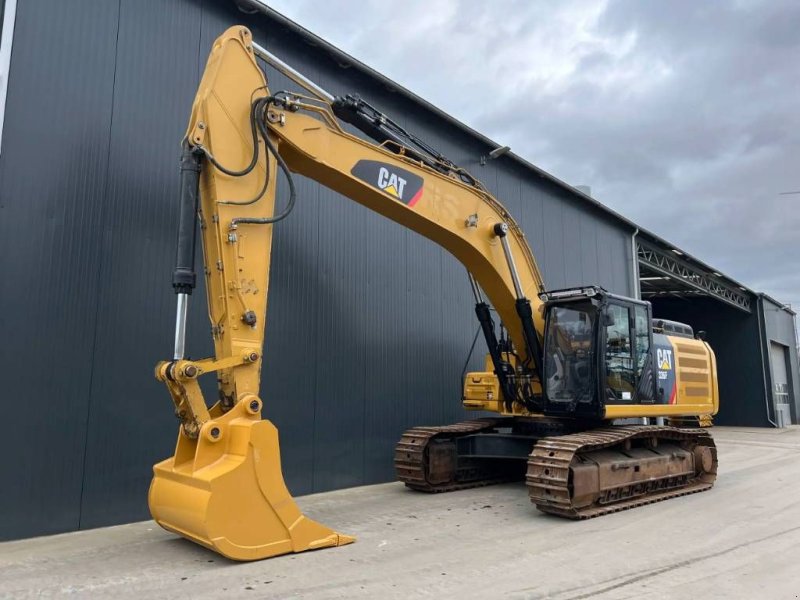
(572, 469)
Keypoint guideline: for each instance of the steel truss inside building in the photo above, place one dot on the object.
(663, 272)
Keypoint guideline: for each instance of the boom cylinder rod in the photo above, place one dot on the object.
(180, 326)
(523, 305)
(291, 73)
(500, 230)
(476, 291)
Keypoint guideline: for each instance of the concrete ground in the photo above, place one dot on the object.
(739, 540)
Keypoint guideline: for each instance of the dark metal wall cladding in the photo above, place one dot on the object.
(369, 324)
(53, 174)
(779, 326)
(741, 345)
(734, 337)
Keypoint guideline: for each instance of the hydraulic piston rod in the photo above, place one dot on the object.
(476, 290)
(522, 304)
(180, 326)
(501, 231)
(291, 73)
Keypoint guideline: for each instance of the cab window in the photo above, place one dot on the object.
(620, 377)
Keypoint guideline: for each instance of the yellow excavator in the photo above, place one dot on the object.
(564, 367)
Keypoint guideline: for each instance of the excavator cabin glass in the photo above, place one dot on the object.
(597, 352)
(569, 351)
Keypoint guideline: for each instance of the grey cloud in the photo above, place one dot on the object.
(681, 115)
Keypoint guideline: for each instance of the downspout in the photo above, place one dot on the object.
(637, 288)
(797, 350)
(761, 341)
(6, 38)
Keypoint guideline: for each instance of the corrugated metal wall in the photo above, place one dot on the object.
(735, 337)
(779, 327)
(741, 343)
(369, 324)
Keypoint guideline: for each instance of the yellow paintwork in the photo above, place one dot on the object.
(482, 390)
(313, 145)
(224, 488)
(695, 375)
(696, 379)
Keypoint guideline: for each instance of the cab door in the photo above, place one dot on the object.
(627, 365)
(571, 360)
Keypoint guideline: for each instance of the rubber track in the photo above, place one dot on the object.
(410, 455)
(549, 466)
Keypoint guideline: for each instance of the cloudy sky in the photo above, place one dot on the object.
(683, 116)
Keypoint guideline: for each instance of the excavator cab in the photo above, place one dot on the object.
(597, 352)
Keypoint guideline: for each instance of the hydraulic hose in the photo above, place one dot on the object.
(289, 179)
(231, 172)
(257, 127)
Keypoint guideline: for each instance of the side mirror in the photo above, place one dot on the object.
(607, 318)
(700, 335)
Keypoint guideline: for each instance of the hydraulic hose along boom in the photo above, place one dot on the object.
(223, 488)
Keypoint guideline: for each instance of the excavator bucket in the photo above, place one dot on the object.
(225, 491)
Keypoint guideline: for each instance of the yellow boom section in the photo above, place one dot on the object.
(456, 216)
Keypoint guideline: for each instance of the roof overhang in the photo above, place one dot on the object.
(668, 272)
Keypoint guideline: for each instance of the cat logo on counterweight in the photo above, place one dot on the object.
(664, 357)
(402, 185)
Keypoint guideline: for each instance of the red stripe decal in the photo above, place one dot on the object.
(416, 198)
(672, 395)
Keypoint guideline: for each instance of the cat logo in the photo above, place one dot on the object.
(664, 359)
(391, 183)
(398, 183)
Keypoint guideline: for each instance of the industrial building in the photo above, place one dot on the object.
(368, 325)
